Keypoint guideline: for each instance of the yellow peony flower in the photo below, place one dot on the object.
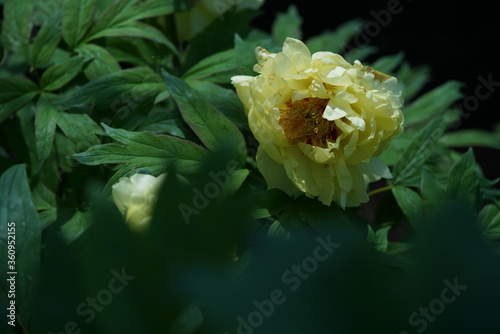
(320, 122)
(136, 197)
(192, 22)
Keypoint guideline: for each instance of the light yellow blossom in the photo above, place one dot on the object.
(136, 197)
(320, 121)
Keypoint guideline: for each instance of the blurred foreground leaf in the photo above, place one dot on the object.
(19, 227)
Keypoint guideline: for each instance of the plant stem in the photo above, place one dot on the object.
(379, 190)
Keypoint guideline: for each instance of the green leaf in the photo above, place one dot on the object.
(432, 104)
(245, 53)
(400, 249)
(225, 100)
(144, 150)
(417, 153)
(76, 226)
(489, 189)
(46, 204)
(58, 57)
(463, 181)
(217, 68)
(77, 19)
(43, 197)
(15, 93)
(80, 128)
(209, 124)
(136, 29)
(64, 149)
(166, 122)
(58, 75)
(276, 230)
(113, 15)
(412, 80)
(153, 8)
(287, 25)
(335, 41)
(432, 190)
(359, 53)
(46, 41)
(489, 221)
(101, 64)
(379, 238)
(392, 154)
(117, 90)
(237, 178)
(25, 116)
(319, 217)
(410, 203)
(471, 137)
(45, 126)
(16, 26)
(289, 223)
(387, 64)
(138, 52)
(16, 208)
(219, 35)
(271, 202)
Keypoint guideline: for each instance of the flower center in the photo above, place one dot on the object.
(303, 122)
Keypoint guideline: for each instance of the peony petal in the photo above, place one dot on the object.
(333, 112)
(375, 170)
(342, 81)
(274, 173)
(329, 58)
(318, 90)
(242, 85)
(357, 121)
(298, 53)
(262, 56)
(344, 176)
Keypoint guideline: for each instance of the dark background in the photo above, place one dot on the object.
(458, 39)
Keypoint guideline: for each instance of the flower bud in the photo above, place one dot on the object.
(136, 197)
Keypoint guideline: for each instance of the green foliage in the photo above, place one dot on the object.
(93, 91)
(433, 103)
(463, 181)
(46, 41)
(59, 75)
(287, 25)
(77, 20)
(143, 151)
(418, 152)
(336, 40)
(217, 68)
(472, 137)
(15, 93)
(16, 26)
(122, 88)
(212, 127)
